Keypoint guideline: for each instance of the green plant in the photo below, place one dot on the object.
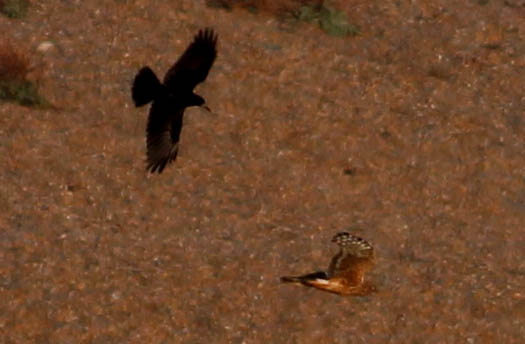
(22, 92)
(332, 21)
(14, 8)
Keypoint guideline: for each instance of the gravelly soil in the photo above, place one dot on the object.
(424, 111)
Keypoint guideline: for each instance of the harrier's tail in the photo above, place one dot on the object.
(146, 87)
(291, 279)
(305, 278)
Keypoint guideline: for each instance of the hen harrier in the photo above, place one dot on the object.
(172, 96)
(347, 269)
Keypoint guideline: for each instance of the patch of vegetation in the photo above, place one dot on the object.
(14, 84)
(219, 4)
(23, 92)
(279, 8)
(14, 8)
(334, 22)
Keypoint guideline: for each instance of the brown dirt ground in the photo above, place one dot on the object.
(425, 107)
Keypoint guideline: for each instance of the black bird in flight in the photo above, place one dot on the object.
(172, 96)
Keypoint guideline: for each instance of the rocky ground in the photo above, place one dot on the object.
(410, 134)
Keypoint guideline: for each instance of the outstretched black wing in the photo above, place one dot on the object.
(163, 132)
(193, 66)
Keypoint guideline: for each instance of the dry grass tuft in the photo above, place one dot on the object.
(14, 70)
(14, 62)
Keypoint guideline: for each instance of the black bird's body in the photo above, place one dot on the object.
(172, 96)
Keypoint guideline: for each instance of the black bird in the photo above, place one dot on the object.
(172, 96)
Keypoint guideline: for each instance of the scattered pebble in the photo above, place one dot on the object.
(45, 46)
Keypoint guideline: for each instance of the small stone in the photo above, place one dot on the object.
(45, 46)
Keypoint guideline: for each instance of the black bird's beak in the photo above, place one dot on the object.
(205, 107)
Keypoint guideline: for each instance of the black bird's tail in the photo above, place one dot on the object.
(146, 87)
